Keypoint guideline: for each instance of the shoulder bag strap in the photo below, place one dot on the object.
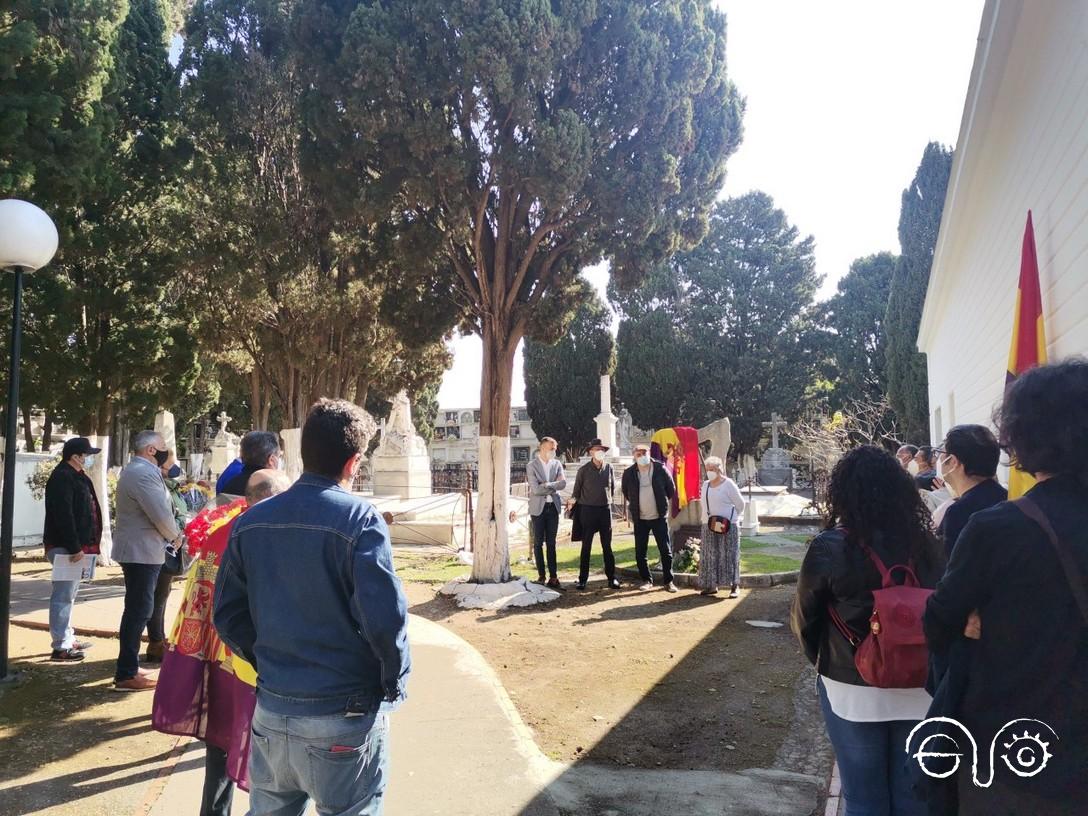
(1073, 575)
(848, 633)
(885, 575)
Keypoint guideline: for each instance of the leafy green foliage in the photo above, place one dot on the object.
(852, 321)
(521, 140)
(919, 223)
(562, 381)
(735, 313)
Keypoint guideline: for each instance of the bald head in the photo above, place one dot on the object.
(264, 484)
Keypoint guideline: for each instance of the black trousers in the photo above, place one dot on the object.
(596, 520)
(218, 787)
(545, 529)
(139, 600)
(660, 528)
(156, 625)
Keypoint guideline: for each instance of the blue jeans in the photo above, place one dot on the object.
(873, 764)
(61, 601)
(337, 761)
(140, 580)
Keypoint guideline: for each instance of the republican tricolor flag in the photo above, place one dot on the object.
(1028, 338)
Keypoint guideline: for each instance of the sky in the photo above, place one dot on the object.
(842, 98)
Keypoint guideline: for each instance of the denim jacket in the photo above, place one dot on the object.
(306, 592)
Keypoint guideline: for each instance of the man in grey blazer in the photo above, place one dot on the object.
(546, 479)
(145, 526)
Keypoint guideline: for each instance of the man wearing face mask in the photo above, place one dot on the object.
(648, 490)
(967, 463)
(926, 461)
(156, 626)
(546, 480)
(145, 527)
(594, 487)
(906, 455)
(73, 527)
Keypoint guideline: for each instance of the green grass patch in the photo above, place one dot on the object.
(752, 563)
(800, 538)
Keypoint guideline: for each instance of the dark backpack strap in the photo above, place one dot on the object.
(1073, 575)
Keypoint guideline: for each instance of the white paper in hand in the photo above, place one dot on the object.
(67, 570)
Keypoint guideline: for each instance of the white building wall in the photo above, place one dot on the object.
(1023, 145)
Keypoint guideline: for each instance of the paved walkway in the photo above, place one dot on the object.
(459, 747)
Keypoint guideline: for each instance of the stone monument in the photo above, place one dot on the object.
(720, 436)
(774, 466)
(98, 475)
(401, 466)
(224, 447)
(606, 420)
(164, 425)
(623, 432)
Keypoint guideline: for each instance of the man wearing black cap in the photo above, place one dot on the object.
(73, 527)
(594, 487)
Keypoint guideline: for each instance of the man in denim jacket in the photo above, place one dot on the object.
(307, 593)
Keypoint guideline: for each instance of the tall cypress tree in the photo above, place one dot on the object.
(919, 223)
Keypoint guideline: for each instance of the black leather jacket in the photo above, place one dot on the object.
(836, 571)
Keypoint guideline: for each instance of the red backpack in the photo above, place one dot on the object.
(893, 654)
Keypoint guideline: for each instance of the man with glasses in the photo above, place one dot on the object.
(145, 527)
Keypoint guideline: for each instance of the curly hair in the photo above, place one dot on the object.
(1042, 422)
(872, 496)
(335, 431)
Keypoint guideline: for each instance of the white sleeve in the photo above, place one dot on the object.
(735, 496)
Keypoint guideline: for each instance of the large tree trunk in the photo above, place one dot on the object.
(28, 431)
(491, 548)
(47, 432)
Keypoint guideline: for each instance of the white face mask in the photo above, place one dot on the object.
(644, 459)
(598, 456)
(943, 476)
(546, 454)
(912, 468)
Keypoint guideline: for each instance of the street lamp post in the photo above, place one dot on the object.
(28, 241)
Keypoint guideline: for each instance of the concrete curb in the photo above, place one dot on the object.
(690, 580)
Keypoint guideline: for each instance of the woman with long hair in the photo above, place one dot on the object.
(1017, 582)
(875, 510)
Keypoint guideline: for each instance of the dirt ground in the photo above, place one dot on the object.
(70, 745)
(646, 679)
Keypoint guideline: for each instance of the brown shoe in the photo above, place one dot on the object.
(137, 683)
(155, 651)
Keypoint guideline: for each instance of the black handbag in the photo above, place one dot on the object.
(176, 561)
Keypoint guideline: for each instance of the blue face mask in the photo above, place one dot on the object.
(88, 461)
(174, 472)
(643, 460)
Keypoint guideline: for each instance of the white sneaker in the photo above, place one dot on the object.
(670, 587)
(647, 586)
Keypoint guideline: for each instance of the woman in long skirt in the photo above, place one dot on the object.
(719, 563)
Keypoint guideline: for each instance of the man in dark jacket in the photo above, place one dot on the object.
(73, 528)
(648, 490)
(260, 450)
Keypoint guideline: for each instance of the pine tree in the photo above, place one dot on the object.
(524, 141)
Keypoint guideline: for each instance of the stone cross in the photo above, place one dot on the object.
(775, 423)
(223, 419)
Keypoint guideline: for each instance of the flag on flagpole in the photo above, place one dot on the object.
(1028, 338)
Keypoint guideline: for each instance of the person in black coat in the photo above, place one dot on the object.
(1006, 587)
(260, 450)
(648, 490)
(875, 508)
(926, 459)
(73, 528)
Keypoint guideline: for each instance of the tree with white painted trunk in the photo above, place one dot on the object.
(520, 141)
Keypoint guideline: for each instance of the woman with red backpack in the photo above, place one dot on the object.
(860, 598)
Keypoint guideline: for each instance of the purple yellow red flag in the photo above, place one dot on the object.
(1028, 338)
